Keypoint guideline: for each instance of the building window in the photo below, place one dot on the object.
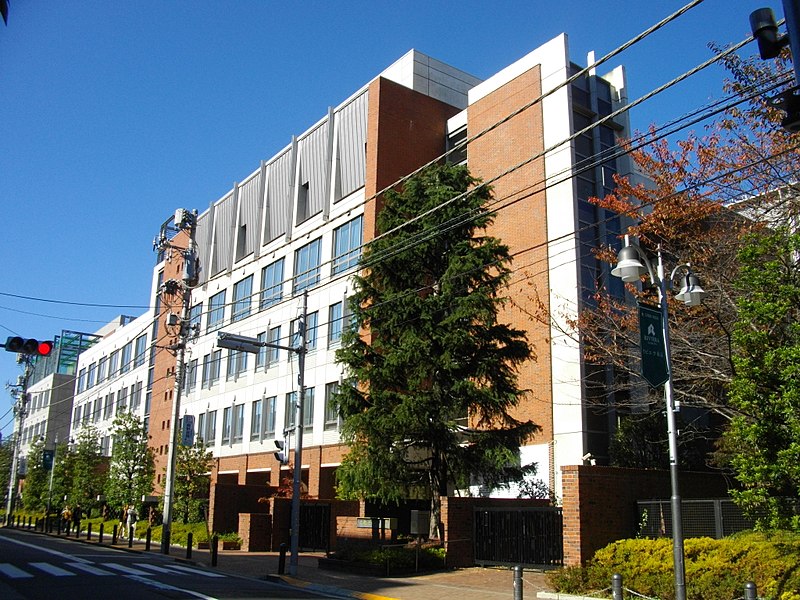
(308, 409)
(125, 358)
(90, 375)
(190, 377)
(113, 363)
(122, 399)
(256, 420)
(347, 245)
(274, 337)
(331, 408)
(270, 407)
(195, 314)
(295, 335)
(98, 409)
(140, 353)
(271, 284)
(306, 266)
(81, 380)
(226, 425)
(237, 364)
(238, 423)
(108, 406)
(216, 311)
(335, 320)
(136, 396)
(288, 419)
(215, 364)
(242, 291)
(102, 365)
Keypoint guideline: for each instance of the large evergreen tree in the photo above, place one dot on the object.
(132, 466)
(431, 371)
(37, 479)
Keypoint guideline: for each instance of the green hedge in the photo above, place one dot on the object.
(715, 569)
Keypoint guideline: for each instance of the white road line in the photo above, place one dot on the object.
(124, 569)
(195, 571)
(52, 569)
(91, 569)
(41, 549)
(157, 569)
(164, 586)
(13, 572)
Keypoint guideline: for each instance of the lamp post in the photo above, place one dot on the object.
(632, 264)
(52, 471)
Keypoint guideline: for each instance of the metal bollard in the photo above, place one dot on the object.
(148, 534)
(130, 536)
(77, 530)
(282, 559)
(114, 536)
(58, 525)
(616, 586)
(214, 550)
(100, 533)
(189, 537)
(88, 531)
(518, 582)
(750, 591)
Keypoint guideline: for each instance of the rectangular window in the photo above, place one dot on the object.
(261, 357)
(331, 408)
(105, 445)
(238, 423)
(102, 365)
(81, 380)
(308, 410)
(108, 406)
(306, 266)
(237, 364)
(274, 338)
(201, 427)
(125, 358)
(195, 314)
(271, 284)
(140, 352)
(288, 419)
(122, 399)
(113, 363)
(136, 396)
(211, 428)
(335, 317)
(295, 335)
(190, 377)
(255, 420)
(242, 292)
(215, 366)
(87, 412)
(90, 375)
(98, 409)
(226, 425)
(347, 245)
(270, 408)
(216, 311)
(206, 380)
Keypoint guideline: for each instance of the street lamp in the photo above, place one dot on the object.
(632, 264)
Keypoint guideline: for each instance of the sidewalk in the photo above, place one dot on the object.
(473, 583)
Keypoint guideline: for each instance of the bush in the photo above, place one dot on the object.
(397, 557)
(715, 569)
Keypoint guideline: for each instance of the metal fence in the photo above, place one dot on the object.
(521, 536)
(713, 517)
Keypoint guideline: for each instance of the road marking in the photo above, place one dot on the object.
(124, 569)
(157, 569)
(195, 571)
(165, 586)
(52, 569)
(41, 549)
(13, 572)
(91, 569)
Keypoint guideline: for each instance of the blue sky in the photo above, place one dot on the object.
(113, 114)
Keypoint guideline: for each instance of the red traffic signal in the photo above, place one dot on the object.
(29, 346)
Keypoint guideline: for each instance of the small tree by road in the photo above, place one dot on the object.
(132, 465)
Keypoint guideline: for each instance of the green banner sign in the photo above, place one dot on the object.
(651, 336)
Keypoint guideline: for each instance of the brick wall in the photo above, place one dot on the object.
(256, 531)
(599, 503)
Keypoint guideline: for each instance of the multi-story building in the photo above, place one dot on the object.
(296, 225)
(113, 376)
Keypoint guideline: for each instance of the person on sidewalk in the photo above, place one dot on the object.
(132, 517)
(123, 515)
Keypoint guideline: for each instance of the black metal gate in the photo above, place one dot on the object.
(315, 526)
(520, 536)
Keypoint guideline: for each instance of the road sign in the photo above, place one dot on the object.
(47, 459)
(651, 336)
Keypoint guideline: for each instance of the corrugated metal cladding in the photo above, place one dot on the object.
(248, 226)
(223, 235)
(202, 238)
(279, 203)
(313, 155)
(352, 125)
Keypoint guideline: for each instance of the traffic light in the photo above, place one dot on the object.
(280, 455)
(29, 346)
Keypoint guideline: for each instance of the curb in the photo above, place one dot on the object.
(334, 592)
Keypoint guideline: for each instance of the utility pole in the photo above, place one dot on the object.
(52, 470)
(21, 409)
(298, 440)
(184, 220)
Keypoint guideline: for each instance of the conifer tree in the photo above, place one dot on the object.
(432, 380)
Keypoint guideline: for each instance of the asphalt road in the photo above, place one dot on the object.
(34, 567)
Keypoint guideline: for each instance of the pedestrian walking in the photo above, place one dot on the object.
(132, 517)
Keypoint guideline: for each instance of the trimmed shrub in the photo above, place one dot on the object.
(715, 569)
